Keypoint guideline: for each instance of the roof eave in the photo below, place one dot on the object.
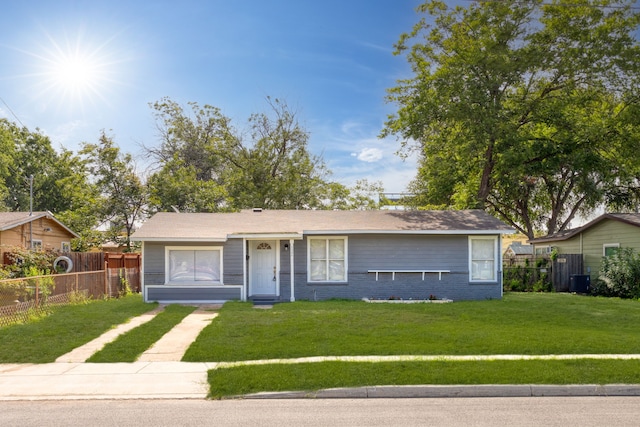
(179, 239)
(38, 215)
(422, 232)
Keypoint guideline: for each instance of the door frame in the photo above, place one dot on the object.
(250, 250)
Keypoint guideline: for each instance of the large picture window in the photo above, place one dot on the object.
(327, 259)
(483, 259)
(194, 266)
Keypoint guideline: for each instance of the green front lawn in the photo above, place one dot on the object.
(517, 324)
(68, 327)
(241, 380)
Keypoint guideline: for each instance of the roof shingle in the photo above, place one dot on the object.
(219, 226)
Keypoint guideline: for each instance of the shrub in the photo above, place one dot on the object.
(619, 275)
(26, 262)
(527, 279)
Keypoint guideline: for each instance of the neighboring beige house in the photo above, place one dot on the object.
(33, 230)
(594, 240)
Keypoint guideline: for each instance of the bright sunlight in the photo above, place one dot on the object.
(75, 72)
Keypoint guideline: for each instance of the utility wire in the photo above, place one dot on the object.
(11, 111)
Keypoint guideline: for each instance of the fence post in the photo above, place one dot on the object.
(106, 278)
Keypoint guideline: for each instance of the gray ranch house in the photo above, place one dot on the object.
(289, 255)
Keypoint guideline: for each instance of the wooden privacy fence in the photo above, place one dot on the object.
(121, 268)
(563, 267)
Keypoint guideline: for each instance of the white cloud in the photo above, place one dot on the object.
(370, 155)
(353, 151)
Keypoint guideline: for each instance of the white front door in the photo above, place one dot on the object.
(263, 267)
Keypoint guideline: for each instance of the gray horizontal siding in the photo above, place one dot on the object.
(399, 252)
(192, 294)
(408, 253)
(393, 252)
(453, 286)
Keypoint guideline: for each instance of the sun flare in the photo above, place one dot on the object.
(75, 72)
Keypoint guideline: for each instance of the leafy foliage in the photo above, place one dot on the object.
(122, 196)
(619, 275)
(206, 165)
(522, 108)
(27, 262)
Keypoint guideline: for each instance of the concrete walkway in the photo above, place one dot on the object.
(84, 352)
(159, 374)
(172, 346)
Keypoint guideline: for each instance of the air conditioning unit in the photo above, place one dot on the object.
(580, 283)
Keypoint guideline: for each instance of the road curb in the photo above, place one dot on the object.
(448, 391)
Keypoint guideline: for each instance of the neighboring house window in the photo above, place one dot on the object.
(327, 259)
(609, 249)
(483, 256)
(36, 245)
(543, 250)
(65, 247)
(186, 265)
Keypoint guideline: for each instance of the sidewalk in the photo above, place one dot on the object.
(159, 374)
(138, 380)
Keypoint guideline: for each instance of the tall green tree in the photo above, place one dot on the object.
(275, 169)
(206, 165)
(123, 197)
(57, 178)
(504, 100)
(34, 169)
(7, 165)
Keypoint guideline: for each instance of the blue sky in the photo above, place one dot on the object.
(330, 60)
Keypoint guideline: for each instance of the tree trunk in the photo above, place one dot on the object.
(485, 182)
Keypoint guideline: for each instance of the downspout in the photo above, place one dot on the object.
(291, 272)
(501, 265)
(581, 247)
(582, 253)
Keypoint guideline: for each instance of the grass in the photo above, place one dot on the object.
(68, 327)
(517, 324)
(241, 380)
(129, 346)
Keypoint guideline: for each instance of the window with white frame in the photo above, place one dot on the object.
(327, 259)
(483, 259)
(609, 249)
(36, 245)
(188, 265)
(543, 250)
(65, 247)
